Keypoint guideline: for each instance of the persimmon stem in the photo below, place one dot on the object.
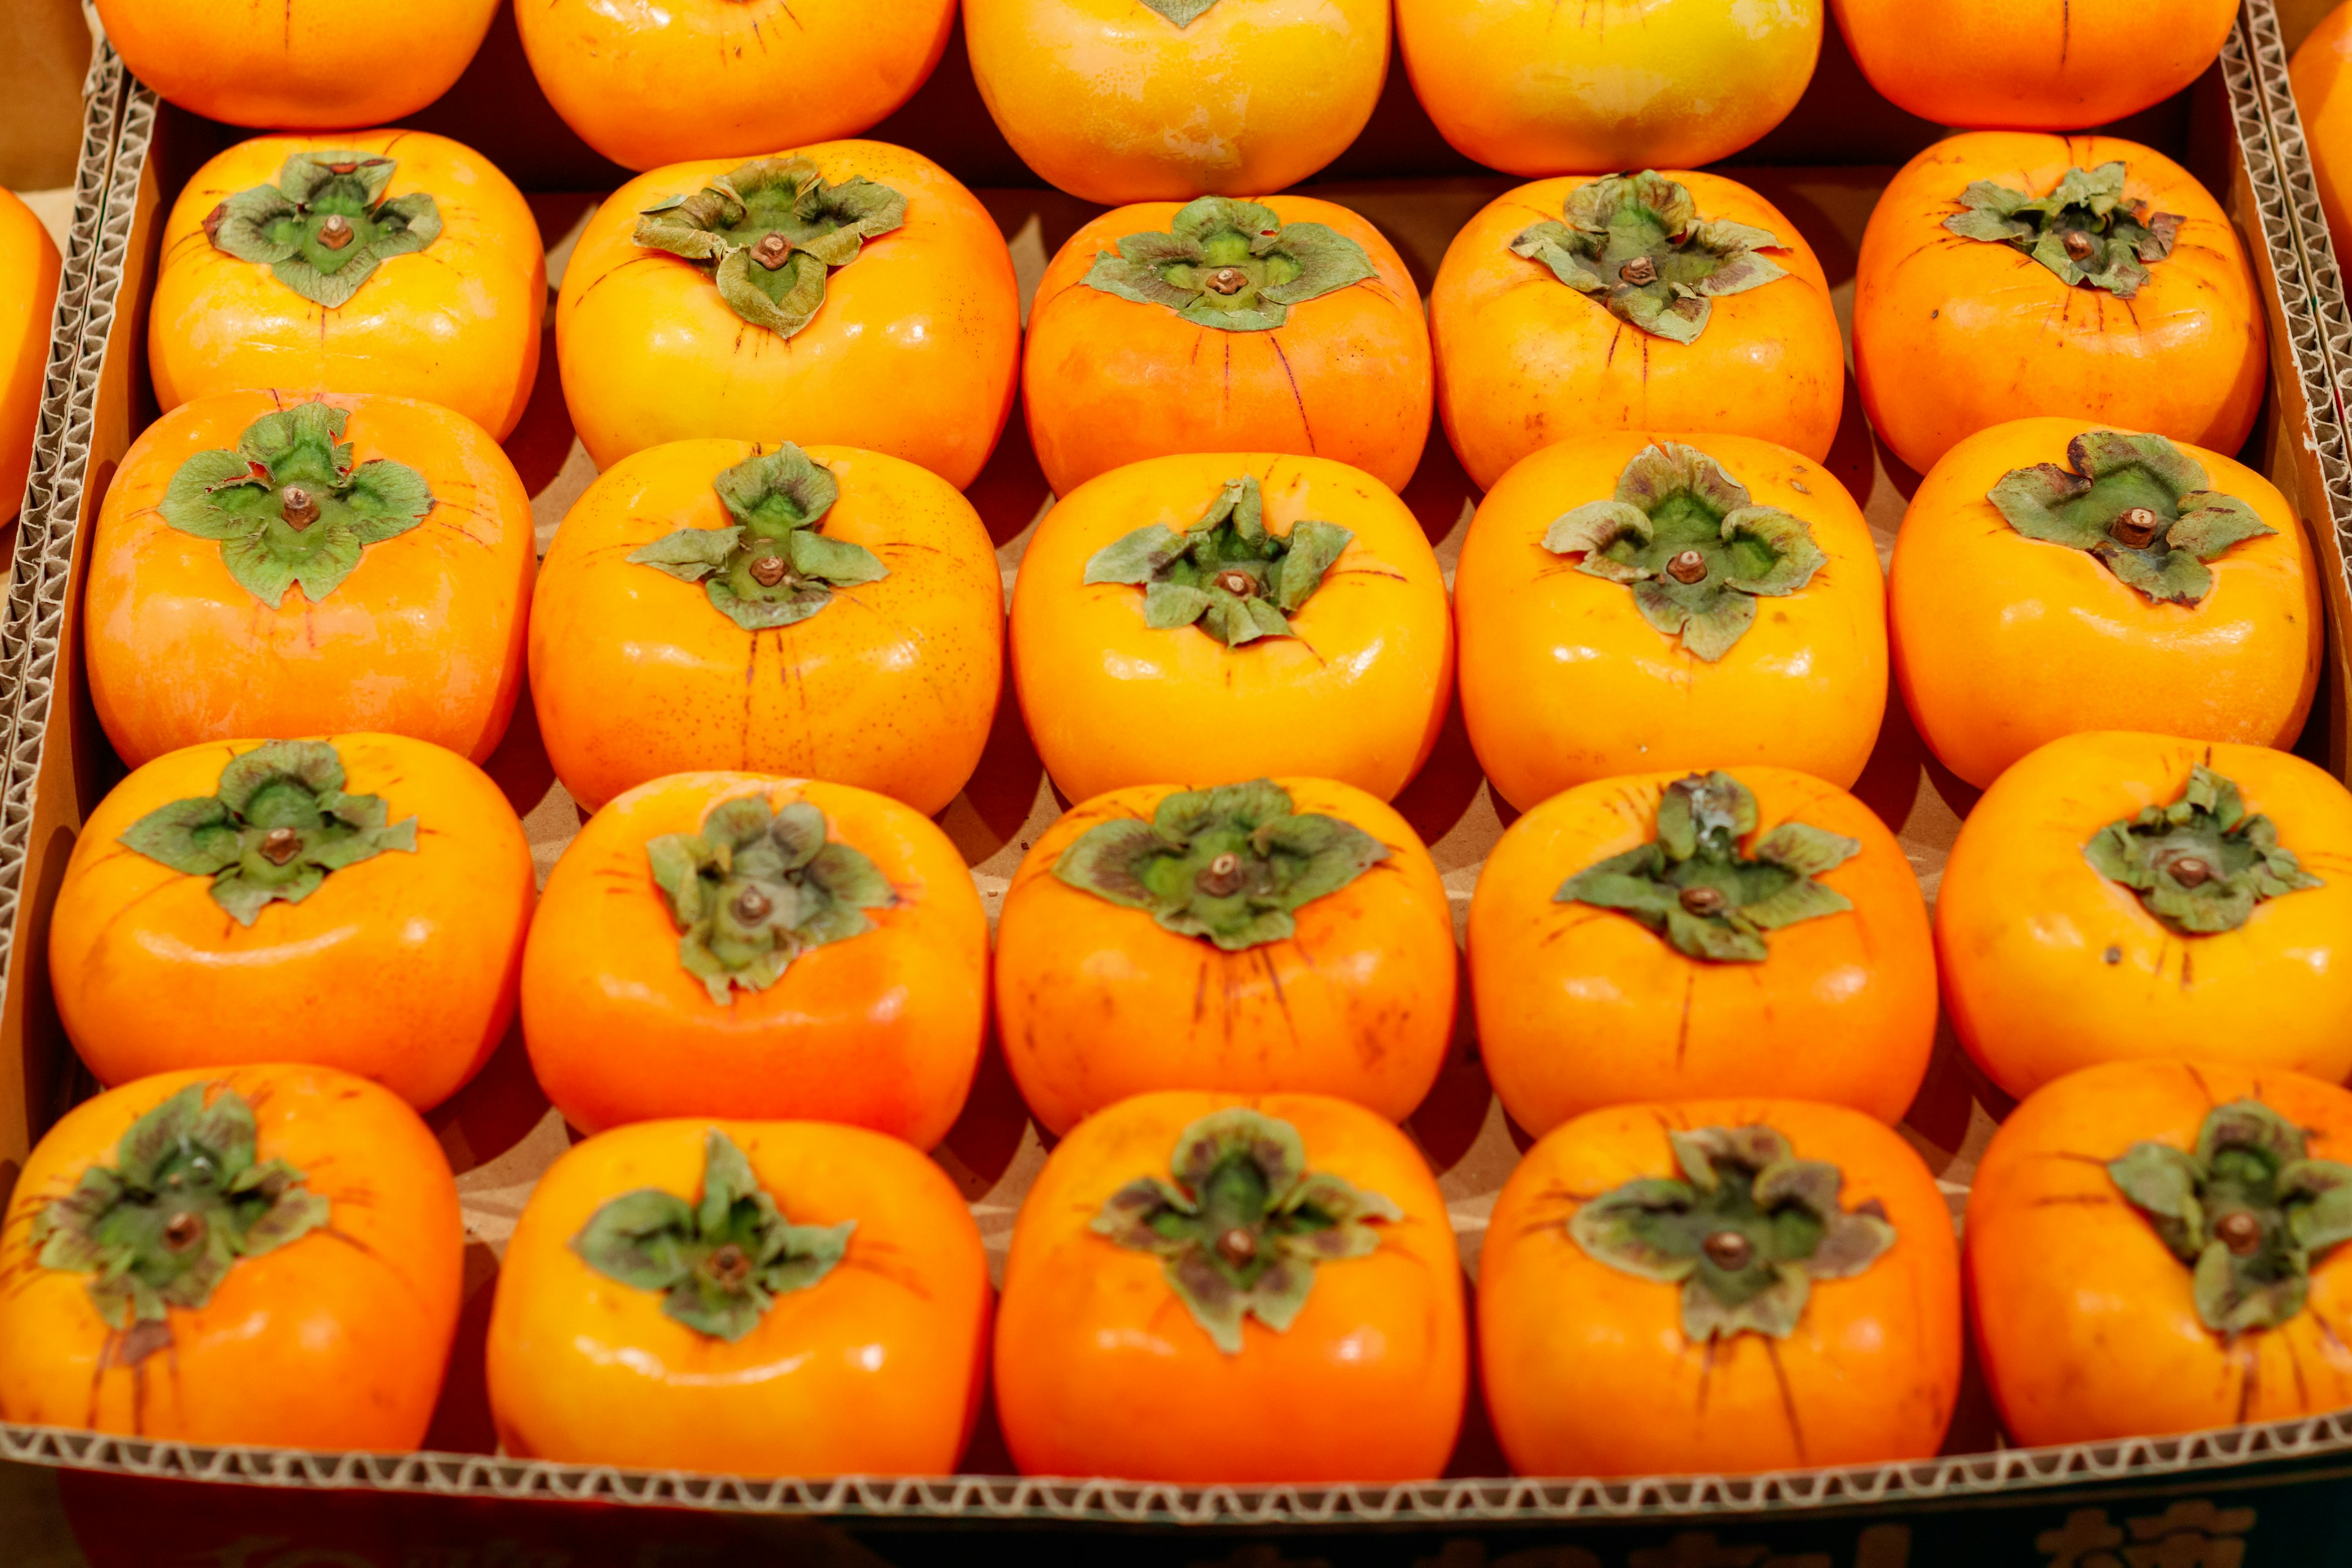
(298, 506)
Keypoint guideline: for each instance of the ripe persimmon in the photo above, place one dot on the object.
(29, 298)
(2323, 100)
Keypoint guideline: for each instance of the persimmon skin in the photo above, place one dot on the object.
(1101, 1369)
(892, 686)
(1524, 361)
(914, 353)
(457, 323)
(1107, 382)
(648, 84)
(2324, 105)
(2086, 1323)
(1563, 682)
(2003, 643)
(875, 1370)
(29, 265)
(882, 1029)
(1096, 1001)
(400, 969)
(2024, 927)
(363, 1309)
(1952, 335)
(424, 638)
(1587, 1369)
(1358, 695)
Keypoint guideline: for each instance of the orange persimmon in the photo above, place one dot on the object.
(29, 298)
(2323, 99)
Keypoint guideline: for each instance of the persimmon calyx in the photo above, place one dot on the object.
(1182, 13)
(183, 1203)
(1225, 574)
(773, 566)
(1683, 535)
(1635, 246)
(1241, 1230)
(1229, 264)
(2139, 504)
(1231, 865)
(755, 890)
(1745, 1233)
(277, 828)
(288, 506)
(2084, 230)
(2247, 1211)
(2202, 862)
(771, 231)
(720, 1261)
(326, 225)
(1693, 885)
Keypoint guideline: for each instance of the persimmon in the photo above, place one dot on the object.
(851, 293)
(287, 1237)
(2155, 1247)
(2323, 100)
(392, 261)
(728, 944)
(1628, 602)
(659, 645)
(358, 902)
(2054, 576)
(1229, 617)
(647, 84)
(1287, 325)
(750, 1298)
(1169, 100)
(269, 565)
(1185, 1258)
(1680, 303)
(2006, 274)
(28, 298)
(2116, 896)
(1719, 1286)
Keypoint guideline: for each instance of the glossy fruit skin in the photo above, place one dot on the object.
(365, 1306)
(1113, 102)
(424, 638)
(882, 1029)
(457, 323)
(1952, 335)
(1357, 695)
(1563, 682)
(1108, 382)
(2317, 75)
(914, 352)
(647, 84)
(2031, 65)
(2085, 1322)
(1100, 1370)
(400, 968)
(1096, 1001)
(28, 297)
(2002, 642)
(1533, 89)
(876, 1369)
(891, 688)
(2024, 926)
(1587, 1371)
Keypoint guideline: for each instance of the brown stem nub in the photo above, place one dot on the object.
(727, 1265)
(1687, 567)
(1702, 902)
(298, 506)
(2190, 872)
(1237, 582)
(2136, 527)
(1639, 271)
(1227, 280)
(768, 571)
(752, 906)
(2079, 246)
(772, 251)
(1223, 878)
(1729, 1250)
(183, 1231)
(1237, 1246)
(2238, 1231)
(336, 232)
(280, 844)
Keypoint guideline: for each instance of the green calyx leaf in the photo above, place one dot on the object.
(1745, 1233)
(2246, 1211)
(1182, 13)
(773, 566)
(1635, 246)
(2137, 502)
(1228, 264)
(2084, 230)
(1231, 865)
(325, 226)
(755, 890)
(1242, 1231)
(2202, 863)
(278, 827)
(720, 1261)
(1225, 574)
(771, 231)
(1682, 533)
(182, 1202)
